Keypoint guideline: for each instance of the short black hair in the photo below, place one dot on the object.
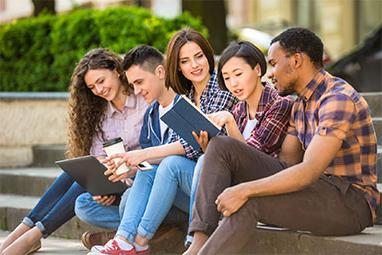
(298, 39)
(145, 56)
(245, 50)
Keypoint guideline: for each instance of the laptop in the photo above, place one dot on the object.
(88, 172)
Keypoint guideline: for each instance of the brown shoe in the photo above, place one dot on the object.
(89, 239)
(34, 248)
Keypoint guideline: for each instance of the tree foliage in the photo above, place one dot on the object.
(40, 53)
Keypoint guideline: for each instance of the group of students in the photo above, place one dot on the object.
(305, 164)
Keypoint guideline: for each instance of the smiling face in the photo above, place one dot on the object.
(239, 77)
(147, 84)
(282, 72)
(193, 63)
(103, 83)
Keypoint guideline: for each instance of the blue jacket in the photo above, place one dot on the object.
(150, 131)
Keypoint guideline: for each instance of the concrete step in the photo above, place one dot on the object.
(27, 181)
(13, 208)
(374, 99)
(46, 155)
(287, 242)
(55, 246)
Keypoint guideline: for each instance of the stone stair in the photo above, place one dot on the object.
(20, 189)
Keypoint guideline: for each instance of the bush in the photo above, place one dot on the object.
(40, 53)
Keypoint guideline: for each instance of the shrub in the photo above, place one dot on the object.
(39, 53)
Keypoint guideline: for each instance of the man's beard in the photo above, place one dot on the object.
(287, 91)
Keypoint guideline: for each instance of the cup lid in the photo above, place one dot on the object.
(112, 141)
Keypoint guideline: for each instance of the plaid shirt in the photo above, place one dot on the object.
(272, 117)
(213, 99)
(330, 106)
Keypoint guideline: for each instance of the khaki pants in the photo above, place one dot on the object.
(330, 206)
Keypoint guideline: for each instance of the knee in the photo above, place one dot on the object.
(145, 176)
(171, 165)
(219, 145)
(245, 215)
(83, 203)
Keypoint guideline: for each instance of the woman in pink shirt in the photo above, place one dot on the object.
(100, 103)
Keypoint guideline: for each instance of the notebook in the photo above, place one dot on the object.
(184, 117)
(88, 172)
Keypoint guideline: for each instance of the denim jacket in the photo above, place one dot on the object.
(150, 132)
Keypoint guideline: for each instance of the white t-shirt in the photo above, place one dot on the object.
(249, 127)
(163, 126)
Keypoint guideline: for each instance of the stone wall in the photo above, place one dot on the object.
(28, 119)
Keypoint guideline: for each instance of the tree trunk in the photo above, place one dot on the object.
(48, 6)
(213, 15)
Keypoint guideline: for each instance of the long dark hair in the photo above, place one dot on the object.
(174, 77)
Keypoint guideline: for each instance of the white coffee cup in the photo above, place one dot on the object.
(114, 146)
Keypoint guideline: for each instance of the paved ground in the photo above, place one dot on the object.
(53, 246)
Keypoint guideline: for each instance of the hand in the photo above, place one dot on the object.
(105, 200)
(231, 200)
(111, 169)
(114, 177)
(221, 118)
(109, 164)
(130, 158)
(202, 139)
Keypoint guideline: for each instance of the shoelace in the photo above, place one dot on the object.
(111, 246)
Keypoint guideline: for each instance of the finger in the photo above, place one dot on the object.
(109, 200)
(117, 155)
(204, 134)
(110, 164)
(119, 177)
(103, 199)
(195, 135)
(96, 198)
(226, 213)
(220, 207)
(112, 177)
(104, 160)
(119, 163)
(108, 171)
(197, 138)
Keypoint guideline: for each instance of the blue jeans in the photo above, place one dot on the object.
(152, 195)
(194, 187)
(56, 206)
(95, 214)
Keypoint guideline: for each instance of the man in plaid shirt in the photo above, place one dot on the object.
(324, 180)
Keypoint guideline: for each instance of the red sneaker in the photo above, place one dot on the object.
(112, 248)
(144, 252)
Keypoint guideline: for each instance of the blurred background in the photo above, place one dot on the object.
(345, 26)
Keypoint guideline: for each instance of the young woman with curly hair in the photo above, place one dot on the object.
(101, 107)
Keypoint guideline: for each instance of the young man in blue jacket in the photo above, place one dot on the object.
(144, 69)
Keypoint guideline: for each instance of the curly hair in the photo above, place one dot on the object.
(298, 39)
(86, 110)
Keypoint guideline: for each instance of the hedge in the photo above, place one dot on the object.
(39, 53)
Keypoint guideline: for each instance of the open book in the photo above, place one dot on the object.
(184, 117)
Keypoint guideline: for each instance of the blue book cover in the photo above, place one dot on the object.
(184, 117)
